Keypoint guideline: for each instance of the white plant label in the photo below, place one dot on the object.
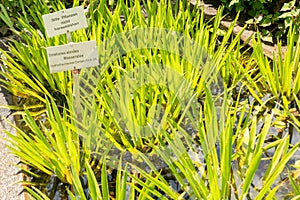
(63, 21)
(72, 56)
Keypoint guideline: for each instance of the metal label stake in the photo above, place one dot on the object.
(76, 91)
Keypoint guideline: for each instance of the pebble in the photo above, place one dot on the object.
(10, 187)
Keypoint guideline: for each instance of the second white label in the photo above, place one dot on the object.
(72, 56)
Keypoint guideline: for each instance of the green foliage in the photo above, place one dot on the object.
(10, 11)
(232, 132)
(273, 18)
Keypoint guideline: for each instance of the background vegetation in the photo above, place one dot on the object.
(272, 17)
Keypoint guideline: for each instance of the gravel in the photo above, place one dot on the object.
(10, 188)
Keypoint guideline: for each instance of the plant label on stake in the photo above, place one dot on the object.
(64, 21)
(71, 56)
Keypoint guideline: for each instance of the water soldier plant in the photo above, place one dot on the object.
(224, 143)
